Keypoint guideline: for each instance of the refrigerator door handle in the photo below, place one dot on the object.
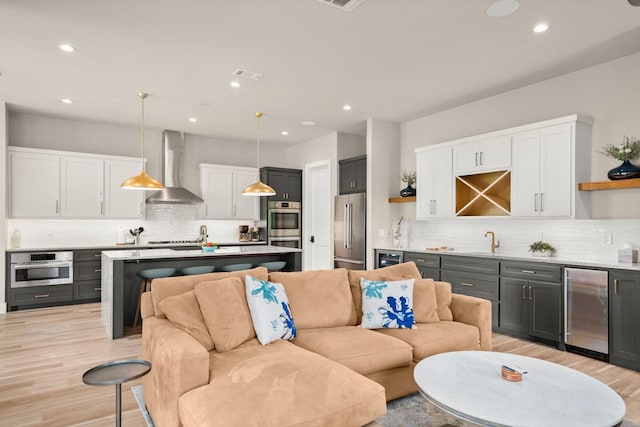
(345, 216)
(349, 225)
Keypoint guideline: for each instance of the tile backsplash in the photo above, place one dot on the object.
(584, 240)
(162, 222)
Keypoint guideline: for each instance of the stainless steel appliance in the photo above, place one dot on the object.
(350, 231)
(287, 242)
(284, 219)
(385, 258)
(586, 308)
(41, 268)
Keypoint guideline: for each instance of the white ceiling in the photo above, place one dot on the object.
(394, 60)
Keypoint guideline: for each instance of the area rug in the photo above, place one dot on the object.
(408, 411)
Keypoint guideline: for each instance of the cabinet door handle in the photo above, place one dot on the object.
(98, 270)
(615, 286)
(41, 296)
(468, 285)
(435, 206)
(541, 202)
(481, 161)
(57, 206)
(529, 271)
(97, 289)
(535, 202)
(101, 208)
(530, 298)
(476, 158)
(524, 292)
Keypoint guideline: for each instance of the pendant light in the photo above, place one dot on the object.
(142, 181)
(258, 188)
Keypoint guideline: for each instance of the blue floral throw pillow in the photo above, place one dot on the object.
(270, 312)
(387, 304)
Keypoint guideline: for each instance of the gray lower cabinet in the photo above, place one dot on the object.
(87, 267)
(40, 296)
(624, 318)
(428, 264)
(529, 306)
(477, 277)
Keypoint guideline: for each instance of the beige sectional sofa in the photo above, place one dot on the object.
(209, 369)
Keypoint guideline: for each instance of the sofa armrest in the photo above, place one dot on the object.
(474, 311)
(179, 363)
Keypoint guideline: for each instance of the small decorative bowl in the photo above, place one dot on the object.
(209, 248)
(511, 375)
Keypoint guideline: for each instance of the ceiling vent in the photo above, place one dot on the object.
(347, 5)
(246, 74)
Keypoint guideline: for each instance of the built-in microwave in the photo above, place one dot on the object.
(41, 269)
(287, 242)
(284, 219)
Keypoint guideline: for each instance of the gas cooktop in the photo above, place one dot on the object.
(168, 242)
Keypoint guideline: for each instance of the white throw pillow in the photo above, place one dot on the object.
(387, 304)
(270, 312)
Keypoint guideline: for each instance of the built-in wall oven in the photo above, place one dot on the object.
(41, 268)
(284, 219)
(287, 242)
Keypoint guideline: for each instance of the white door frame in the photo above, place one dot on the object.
(306, 214)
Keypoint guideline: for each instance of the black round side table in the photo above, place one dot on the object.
(117, 372)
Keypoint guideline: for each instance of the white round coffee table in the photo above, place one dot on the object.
(469, 385)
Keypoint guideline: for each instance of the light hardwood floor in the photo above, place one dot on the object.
(43, 354)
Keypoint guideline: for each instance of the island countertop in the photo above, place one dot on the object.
(120, 283)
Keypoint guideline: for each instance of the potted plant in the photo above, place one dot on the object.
(541, 248)
(409, 178)
(625, 152)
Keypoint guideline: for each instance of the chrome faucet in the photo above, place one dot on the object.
(203, 234)
(494, 245)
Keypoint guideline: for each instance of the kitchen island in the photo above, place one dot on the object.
(120, 283)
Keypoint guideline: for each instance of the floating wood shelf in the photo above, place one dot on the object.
(402, 199)
(609, 185)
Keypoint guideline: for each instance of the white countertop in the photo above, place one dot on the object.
(515, 257)
(125, 255)
(128, 246)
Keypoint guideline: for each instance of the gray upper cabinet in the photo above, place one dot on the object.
(353, 175)
(286, 182)
(624, 318)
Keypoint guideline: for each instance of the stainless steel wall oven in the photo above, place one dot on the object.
(284, 219)
(41, 268)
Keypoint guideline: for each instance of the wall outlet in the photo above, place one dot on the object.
(606, 238)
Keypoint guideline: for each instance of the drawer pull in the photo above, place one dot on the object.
(97, 289)
(529, 271)
(470, 285)
(97, 255)
(97, 271)
(419, 260)
(41, 296)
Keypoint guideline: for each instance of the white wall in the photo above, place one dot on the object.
(608, 93)
(3, 201)
(315, 150)
(351, 146)
(383, 176)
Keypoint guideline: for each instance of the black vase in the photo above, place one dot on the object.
(408, 192)
(626, 170)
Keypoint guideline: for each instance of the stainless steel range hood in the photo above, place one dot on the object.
(173, 172)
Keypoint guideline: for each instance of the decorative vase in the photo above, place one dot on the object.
(407, 192)
(626, 170)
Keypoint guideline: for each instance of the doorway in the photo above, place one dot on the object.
(317, 208)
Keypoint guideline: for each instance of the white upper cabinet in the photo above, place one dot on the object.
(434, 183)
(221, 188)
(34, 185)
(81, 187)
(482, 155)
(120, 203)
(56, 184)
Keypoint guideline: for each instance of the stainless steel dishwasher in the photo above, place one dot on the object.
(586, 312)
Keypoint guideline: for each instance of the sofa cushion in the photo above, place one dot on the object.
(224, 308)
(387, 304)
(425, 302)
(433, 338)
(170, 286)
(443, 298)
(184, 313)
(281, 385)
(318, 298)
(363, 350)
(270, 312)
(407, 270)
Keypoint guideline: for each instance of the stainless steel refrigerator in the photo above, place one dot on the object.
(349, 231)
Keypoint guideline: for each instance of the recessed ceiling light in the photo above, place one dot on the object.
(193, 119)
(540, 28)
(285, 133)
(66, 48)
(66, 101)
(346, 107)
(309, 123)
(502, 8)
(234, 84)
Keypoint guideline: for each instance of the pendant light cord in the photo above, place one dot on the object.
(142, 96)
(258, 115)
